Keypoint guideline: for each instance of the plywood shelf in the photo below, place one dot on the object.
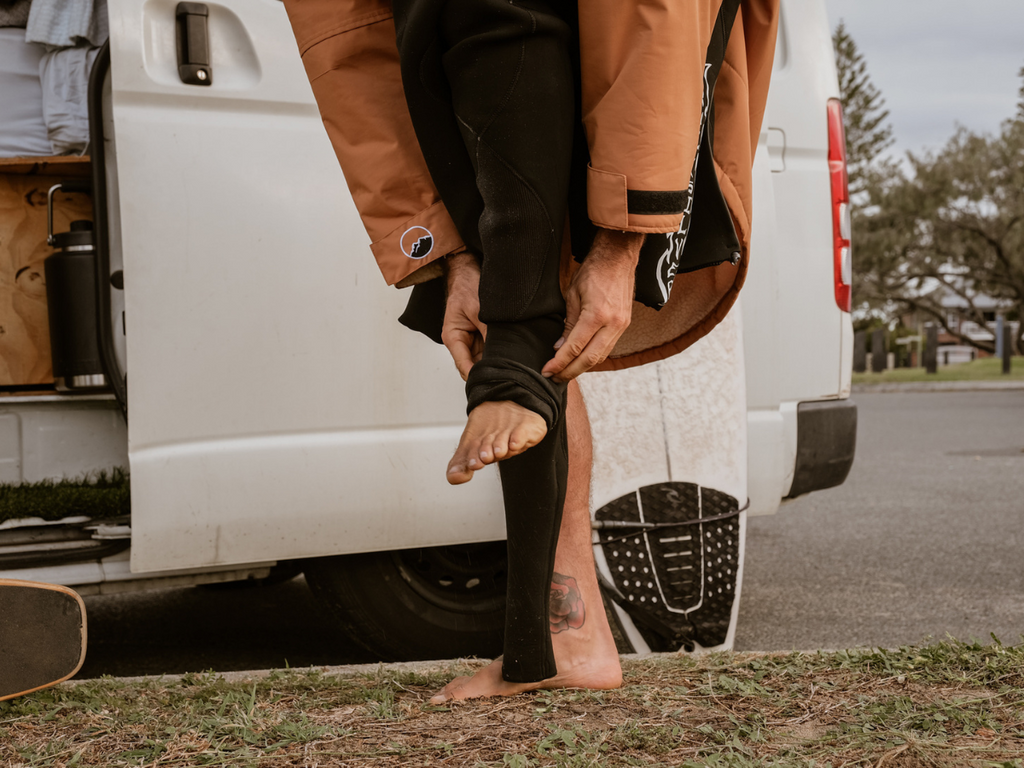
(67, 166)
(24, 326)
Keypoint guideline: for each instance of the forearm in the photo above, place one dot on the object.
(615, 246)
(460, 265)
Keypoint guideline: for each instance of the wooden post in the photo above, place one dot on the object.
(931, 352)
(878, 361)
(1007, 343)
(860, 352)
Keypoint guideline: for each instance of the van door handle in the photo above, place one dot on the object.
(193, 42)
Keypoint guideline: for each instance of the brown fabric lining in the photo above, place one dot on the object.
(699, 301)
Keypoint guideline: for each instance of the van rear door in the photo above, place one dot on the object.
(268, 380)
(798, 342)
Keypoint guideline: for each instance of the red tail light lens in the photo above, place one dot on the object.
(842, 248)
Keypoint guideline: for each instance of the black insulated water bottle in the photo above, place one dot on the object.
(71, 300)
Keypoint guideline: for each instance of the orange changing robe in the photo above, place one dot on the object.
(643, 88)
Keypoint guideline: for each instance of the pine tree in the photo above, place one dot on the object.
(868, 134)
(1020, 104)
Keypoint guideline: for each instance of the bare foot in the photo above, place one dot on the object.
(495, 431)
(584, 660)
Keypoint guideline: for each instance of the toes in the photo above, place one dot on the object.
(472, 455)
(500, 447)
(521, 439)
(465, 461)
(458, 470)
(495, 431)
(458, 476)
(489, 449)
(449, 692)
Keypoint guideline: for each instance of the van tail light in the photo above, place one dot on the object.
(842, 249)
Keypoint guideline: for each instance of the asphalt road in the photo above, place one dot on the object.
(925, 538)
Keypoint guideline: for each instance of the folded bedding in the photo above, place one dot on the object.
(67, 23)
(65, 78)
(22, 128)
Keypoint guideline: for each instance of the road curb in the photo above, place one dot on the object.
(938, 386)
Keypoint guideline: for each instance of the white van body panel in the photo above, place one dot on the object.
(766, 458)
(799, 343)
(811, 324)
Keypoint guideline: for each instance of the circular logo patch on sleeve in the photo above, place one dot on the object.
(417, 242)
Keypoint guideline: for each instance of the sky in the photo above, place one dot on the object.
(939, 63)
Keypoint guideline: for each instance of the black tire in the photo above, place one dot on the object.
(430, 603)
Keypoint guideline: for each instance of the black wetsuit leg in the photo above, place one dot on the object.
(490, 88)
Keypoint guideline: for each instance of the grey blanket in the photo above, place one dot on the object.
(66, 23)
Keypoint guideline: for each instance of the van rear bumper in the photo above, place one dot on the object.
(826, 442)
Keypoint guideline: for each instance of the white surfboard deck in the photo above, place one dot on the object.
(683, 421)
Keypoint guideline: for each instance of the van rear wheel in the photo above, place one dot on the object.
(427, 603)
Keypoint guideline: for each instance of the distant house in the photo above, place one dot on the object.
(951, 348)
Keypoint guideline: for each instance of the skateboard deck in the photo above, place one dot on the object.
(42, 636)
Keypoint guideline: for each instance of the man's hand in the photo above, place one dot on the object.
(463, 333)
(599, 304)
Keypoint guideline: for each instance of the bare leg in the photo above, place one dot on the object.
(585, 651)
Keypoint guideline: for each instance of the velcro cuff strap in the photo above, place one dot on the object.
(651, 203)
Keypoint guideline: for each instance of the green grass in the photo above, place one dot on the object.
(100, 496)
(984, 369)
(950, 704)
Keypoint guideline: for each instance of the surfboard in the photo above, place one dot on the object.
(669, 491)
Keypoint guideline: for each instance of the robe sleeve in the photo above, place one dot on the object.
(349, 52)
(642, 90)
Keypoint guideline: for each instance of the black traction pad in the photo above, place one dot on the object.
(42, 636)
(685, 575)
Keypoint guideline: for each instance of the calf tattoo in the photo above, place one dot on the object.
(567, 609)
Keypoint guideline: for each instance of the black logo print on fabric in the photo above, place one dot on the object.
(417, 242)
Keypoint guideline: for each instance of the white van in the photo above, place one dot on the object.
(278, 417)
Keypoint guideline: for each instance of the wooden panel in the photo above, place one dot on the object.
(24, 328)
(66, 167)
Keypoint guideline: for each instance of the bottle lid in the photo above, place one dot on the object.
(79, 234)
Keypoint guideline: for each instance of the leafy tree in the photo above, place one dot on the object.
(955, 225)
(944, 223)
(868, 134)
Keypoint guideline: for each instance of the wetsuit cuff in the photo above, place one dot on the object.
(493, 380)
